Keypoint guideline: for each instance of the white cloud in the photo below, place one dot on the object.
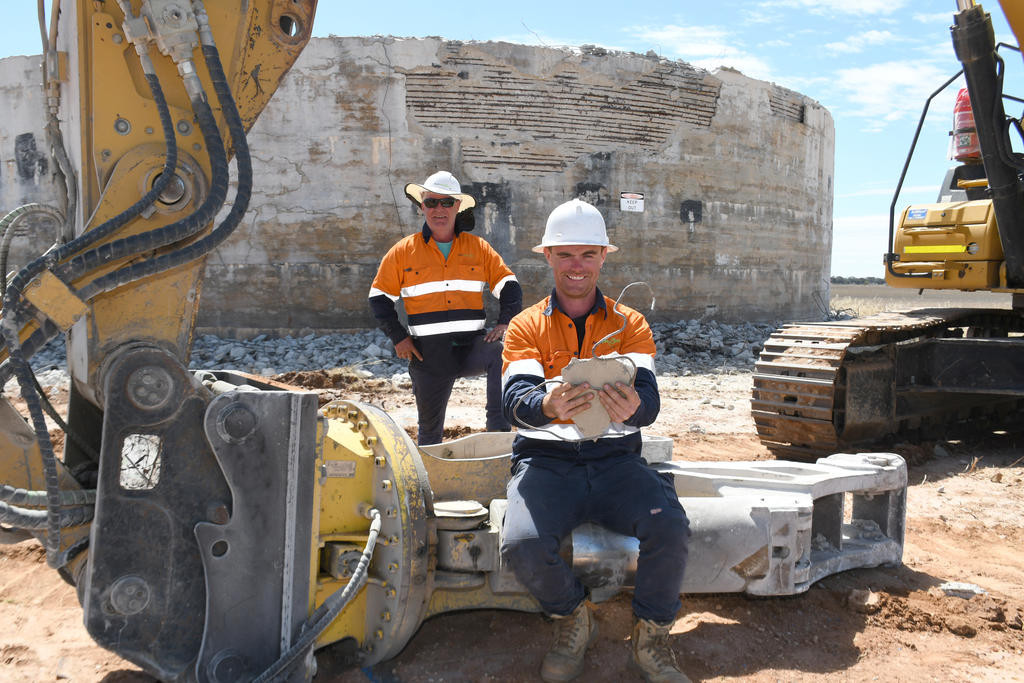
(934, 17)
(859, 41)
(891, 91)
(707, 47)
(862, 7)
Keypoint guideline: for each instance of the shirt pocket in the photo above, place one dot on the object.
(555, 363)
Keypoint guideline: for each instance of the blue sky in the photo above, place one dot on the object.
(872, 63)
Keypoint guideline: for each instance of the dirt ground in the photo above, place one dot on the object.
(965, 523)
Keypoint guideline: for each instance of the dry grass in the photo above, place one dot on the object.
(858, 300)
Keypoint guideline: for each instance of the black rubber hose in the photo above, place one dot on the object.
(24, 518)
(32, 499)
(205, 245)
(105, 229)
(7, 225)
(328, 611)
(37, 340)
(55, 416)
(24, 374)
(168, 234)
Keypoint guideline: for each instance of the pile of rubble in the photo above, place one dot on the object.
(684, 347)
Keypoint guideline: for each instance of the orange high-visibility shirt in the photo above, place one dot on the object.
(441, 296)
(541, 341)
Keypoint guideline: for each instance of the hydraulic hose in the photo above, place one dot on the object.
(24, 518)
(7, 225)
(53, 500)
(329, 610)
(24, 498)
(35, 341)
(243, 194)
(168, 234)
(108, 227)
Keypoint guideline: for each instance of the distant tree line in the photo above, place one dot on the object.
(840, 280)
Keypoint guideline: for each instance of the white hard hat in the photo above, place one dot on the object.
(574, 223)
(441, 182)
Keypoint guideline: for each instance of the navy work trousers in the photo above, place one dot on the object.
(547, 500)
(432, 386)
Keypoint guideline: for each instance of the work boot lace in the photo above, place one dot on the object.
(660, 651)
(573, 634)
(653, 653)
(571, 631)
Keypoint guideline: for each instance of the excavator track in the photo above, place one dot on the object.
(804, 406)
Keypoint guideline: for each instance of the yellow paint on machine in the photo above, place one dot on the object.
(935, 249)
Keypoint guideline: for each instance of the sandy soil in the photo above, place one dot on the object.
(965, 523)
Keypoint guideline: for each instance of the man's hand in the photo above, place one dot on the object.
(619, 401)
(496, 333)
(405, 349)
(565, 401)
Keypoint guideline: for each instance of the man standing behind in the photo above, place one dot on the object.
(560, 481)
(440, 274)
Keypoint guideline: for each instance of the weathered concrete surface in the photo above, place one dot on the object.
(25, 163)
(736, 176)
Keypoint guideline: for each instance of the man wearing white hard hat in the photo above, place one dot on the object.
(440, 274)
(562, 479)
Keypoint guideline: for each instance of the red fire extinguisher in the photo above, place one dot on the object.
(965, 136)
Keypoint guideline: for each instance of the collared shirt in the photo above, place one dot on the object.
(541, 341)
(441, 295)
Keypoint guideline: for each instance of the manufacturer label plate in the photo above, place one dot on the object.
(340, 468)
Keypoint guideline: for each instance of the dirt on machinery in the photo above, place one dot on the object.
(953, 611)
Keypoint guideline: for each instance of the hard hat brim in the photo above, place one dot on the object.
(415, 192)
(539, 249)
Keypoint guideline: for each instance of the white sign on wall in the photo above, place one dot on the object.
(631, 201)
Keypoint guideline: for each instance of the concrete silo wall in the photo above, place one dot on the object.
(735, 173)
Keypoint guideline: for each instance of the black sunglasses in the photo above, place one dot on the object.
(432, 202)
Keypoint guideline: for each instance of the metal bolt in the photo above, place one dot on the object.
(236, 423)
(379, 461)
(385, 616)
(391, 592)
(362, 425)
(217, 512)
(129, 595)
(393, 567)
(353, 414)
(174, 192)
(122, 126)
(150, 387)
(379, 634)
(118, 39)
(391, 512)
(386, 485)
(371, 441)
(184, 127)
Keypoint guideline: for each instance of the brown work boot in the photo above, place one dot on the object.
(573, 635)
(653, 655)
